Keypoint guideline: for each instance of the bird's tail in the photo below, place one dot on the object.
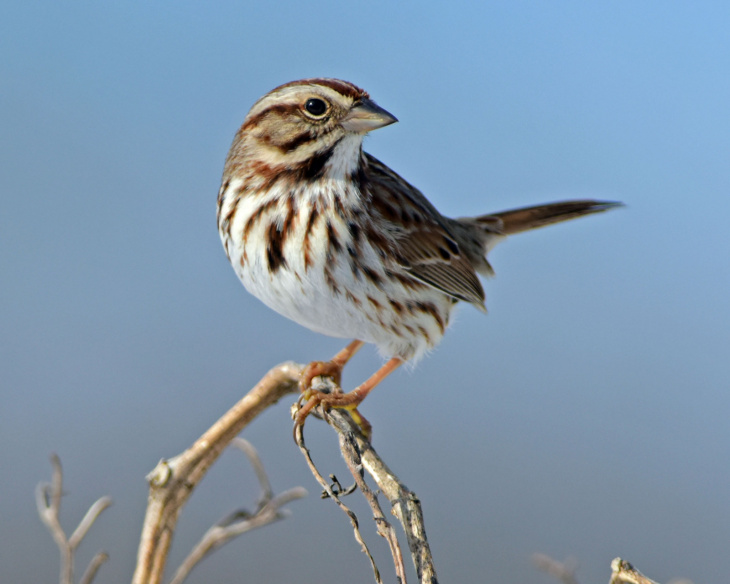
(526, 218)
(478, 235)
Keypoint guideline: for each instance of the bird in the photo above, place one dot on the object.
(334, 239)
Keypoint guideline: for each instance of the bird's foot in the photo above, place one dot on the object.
(349, 401)
(311, 398)
(331, 369)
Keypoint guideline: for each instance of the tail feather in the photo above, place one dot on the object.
(526, 218)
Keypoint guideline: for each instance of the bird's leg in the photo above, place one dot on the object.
(331, 368)
(348, 401)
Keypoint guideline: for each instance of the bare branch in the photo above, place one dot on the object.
(562, 571)
(268, 510)
(334, 494)
(405, 504)
(385, 529)
(253, 457)
(173, 480)
(359, 454)
(48, 502)
(625, 573)
(85, 524)
(622, 571)
(96, 562)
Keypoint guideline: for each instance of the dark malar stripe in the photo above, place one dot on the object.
(360, 177)
(313, 168)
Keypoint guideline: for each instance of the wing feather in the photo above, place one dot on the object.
(428, 250)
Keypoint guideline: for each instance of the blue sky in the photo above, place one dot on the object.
(585, 415)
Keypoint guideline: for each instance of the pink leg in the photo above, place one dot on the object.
(351, 400)
(332, 368)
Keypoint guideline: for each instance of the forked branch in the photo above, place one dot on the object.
(563, 572)
(622, 572)
(268, 510)
(173, 480)
(48, 502)
(360, 456)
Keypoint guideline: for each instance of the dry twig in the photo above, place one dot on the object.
(48, 502)
(334, 494)
(360, 455)
(562, 571)
(624, 573)
(172, 481)
(268, 510)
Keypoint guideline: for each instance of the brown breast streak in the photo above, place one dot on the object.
(306, 245)
(276, 236)
(255, 218)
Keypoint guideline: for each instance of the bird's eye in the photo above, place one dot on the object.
(316, 107)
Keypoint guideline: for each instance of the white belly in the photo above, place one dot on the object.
(321, 290)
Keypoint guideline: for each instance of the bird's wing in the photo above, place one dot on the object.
(427, 249)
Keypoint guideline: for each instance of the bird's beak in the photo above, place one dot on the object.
(365, 116)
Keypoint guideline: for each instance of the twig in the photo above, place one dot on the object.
(172, 481)
(96, 562)
(334, 494)
(625, 573)
(405, 504)
(48, 502)
(85, 524)
(267, 493)
(562, 571)
(268, 510)
(385, 529)
(359, 454)
(622, 571)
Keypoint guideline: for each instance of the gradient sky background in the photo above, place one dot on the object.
(585, 415)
